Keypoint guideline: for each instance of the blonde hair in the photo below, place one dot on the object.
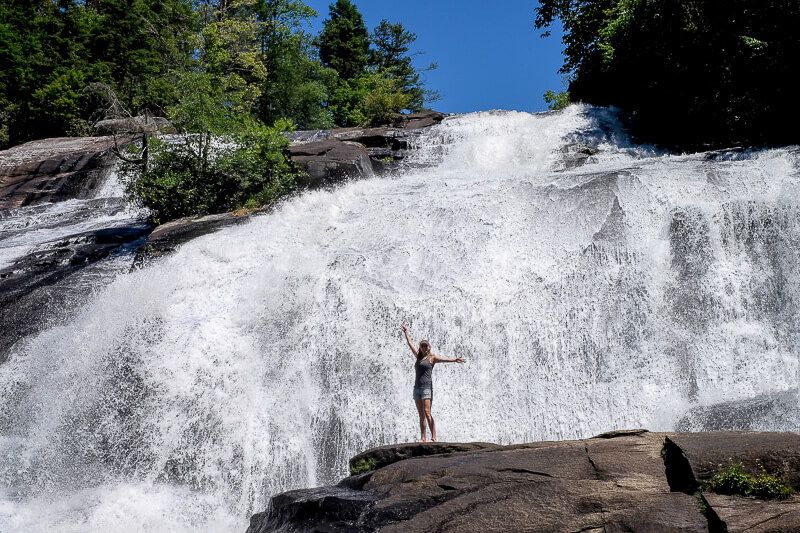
(424, 350)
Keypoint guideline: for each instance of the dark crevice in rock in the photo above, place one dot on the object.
(715, 523)
(526, 471)
(591, 462)
(770, 519)
(622, 433)
(599, 477)
(680, 476)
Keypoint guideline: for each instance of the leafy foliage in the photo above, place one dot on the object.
(221, 70)
(297, 84)
(375, 84)
(691, 73)
(344, 40)
(556, 101)
(733, 479)
(363, 465)
(370, 99)
(391, 56)
(200, 174)
(53, 51)
(225, 158)
(50, 50)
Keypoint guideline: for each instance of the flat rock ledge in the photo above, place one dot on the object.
(624, 481)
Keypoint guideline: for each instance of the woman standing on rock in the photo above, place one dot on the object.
(423, 382)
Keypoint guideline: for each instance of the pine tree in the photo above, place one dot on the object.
(391, 56)
(344, 41)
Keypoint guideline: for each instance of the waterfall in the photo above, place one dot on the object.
(618, 293)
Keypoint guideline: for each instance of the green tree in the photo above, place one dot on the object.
(370, 99)
(134, 44)
(225, 158)
(391, 54)
(35, 52)
(344, 40)
(297, 85)
(689, 73)
(51, 49)
(556, 101)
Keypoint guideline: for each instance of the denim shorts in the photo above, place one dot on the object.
(423, 393)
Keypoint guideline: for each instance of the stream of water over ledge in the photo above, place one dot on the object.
(590, 284)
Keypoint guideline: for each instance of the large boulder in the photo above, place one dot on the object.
(330, 155)
(616, 482)
(423, 119)
(51, 170)
(331, 160)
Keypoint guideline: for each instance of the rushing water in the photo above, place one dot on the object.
(258, 359)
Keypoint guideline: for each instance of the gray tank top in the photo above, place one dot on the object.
(424, 370)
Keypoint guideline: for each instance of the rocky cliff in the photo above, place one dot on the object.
(626, 481)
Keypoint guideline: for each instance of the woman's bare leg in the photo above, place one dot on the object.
(429, 417)
(421, 411)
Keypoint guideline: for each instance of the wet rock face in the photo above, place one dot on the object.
(51, 170)
(332, 155)
(39, 283)
(331, 160)
(620, 482)
(52, 251)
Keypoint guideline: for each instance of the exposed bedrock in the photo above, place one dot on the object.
(617, 482)
(55, 222)
(331, 155)
(42, 283)
(52, 170)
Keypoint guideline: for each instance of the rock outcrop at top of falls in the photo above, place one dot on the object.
(330, 155)
(617, 482)
(52, 170)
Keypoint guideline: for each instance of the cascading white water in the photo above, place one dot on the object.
(258, 359)
(25, 229)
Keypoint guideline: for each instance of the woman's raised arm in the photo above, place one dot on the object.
(408, 340)
(440, 359)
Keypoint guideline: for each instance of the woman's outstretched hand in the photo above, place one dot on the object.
(404, 328)
(459, 360)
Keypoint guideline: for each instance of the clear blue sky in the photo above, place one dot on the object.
(488, 52)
